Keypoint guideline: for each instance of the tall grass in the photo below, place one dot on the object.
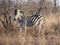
(50, 34)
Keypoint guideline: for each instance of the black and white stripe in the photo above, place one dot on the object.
(35, 19)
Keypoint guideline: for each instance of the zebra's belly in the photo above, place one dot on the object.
(22, 23)
(29, 23)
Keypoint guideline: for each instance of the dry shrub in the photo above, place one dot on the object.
(51, 29)
(51, 22)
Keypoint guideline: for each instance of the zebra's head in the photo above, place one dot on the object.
(18, 14)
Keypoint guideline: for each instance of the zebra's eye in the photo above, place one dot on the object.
(21, 11)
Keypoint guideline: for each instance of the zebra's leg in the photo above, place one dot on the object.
(40, 25)
(20, 30)
(39, 29)
(25, 30)
(33, 27)
(25, 27)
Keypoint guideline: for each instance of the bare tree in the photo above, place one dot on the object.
(6, 14)
(55, 6)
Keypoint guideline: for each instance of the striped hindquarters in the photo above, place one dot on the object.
(36, 19)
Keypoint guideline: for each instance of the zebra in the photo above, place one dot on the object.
(28, 21)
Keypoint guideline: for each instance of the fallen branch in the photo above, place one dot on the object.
(3, 24)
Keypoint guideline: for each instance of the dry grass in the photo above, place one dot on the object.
(50, 34)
